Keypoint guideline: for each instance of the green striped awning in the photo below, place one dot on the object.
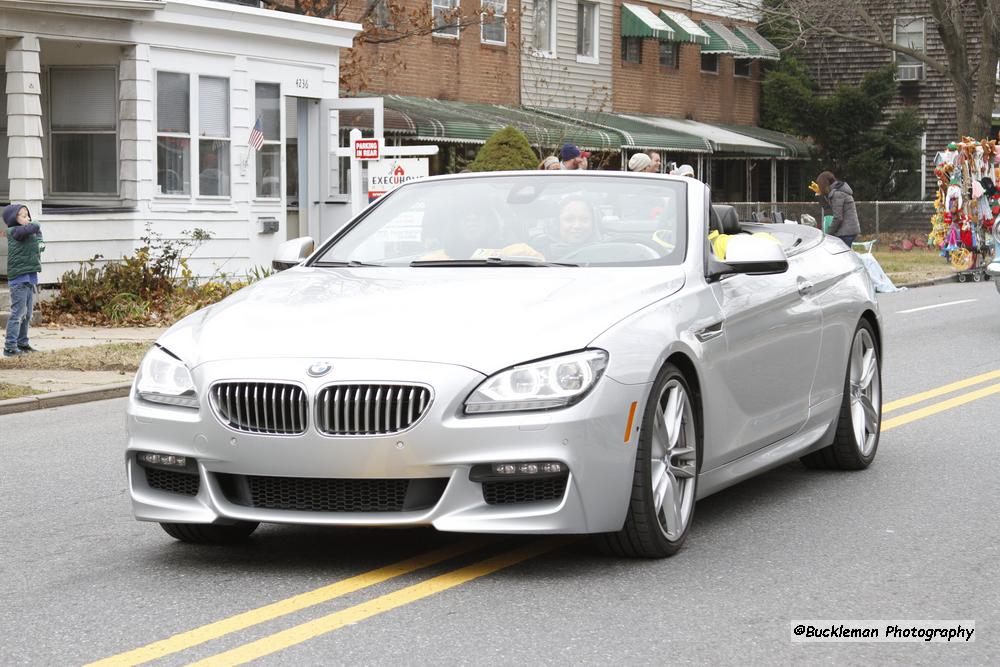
(635, 132)
(722, 41)
(795, 147)
(637, 21)
(685, 29)
(445, 121)
(756, 44)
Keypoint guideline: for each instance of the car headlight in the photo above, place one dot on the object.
(165, 379)
(540, 385)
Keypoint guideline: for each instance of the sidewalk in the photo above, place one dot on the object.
(64, 386)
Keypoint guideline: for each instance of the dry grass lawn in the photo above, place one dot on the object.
(911, 266)
(111, 357)
(8, 390)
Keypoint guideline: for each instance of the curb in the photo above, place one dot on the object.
(69, 397)
(935, 281)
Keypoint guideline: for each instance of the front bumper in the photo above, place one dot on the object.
(444, 445)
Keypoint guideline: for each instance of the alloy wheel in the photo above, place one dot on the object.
(674, 460)
(866, 392)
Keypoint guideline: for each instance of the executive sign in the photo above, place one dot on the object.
(389, 173)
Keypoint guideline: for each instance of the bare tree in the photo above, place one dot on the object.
(969, 31)
(387, 22)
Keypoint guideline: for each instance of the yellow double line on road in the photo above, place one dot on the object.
(389, 601)
(933, 409)
(300, 633)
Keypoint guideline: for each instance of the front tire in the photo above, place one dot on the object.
(665, 480)
(210, 533)
(860, 421)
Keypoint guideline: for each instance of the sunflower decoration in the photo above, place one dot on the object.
(939, 230)
(961, 259)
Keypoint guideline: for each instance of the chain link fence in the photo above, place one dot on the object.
(877, 217)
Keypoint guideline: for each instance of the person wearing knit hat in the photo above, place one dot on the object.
(570, 156)
(639, 162)
(551, 162)
(683, 170)
(24, 248)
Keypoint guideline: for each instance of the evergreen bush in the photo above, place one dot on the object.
(507, 150)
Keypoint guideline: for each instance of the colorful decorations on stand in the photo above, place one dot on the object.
(967, 206)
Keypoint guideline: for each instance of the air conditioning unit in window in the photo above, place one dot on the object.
(910, 72)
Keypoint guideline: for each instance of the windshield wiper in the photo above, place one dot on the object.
(353, 262)
(489, 261)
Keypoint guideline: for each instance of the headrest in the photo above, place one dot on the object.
(725, 218)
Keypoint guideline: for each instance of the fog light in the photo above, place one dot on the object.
(163, 459)
(517, 470)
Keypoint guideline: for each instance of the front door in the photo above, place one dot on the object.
(772, 334)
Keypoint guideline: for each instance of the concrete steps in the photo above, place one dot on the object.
(45, 294)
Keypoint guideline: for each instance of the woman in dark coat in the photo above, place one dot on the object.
(840, 197)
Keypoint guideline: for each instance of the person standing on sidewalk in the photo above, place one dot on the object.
(845, 224)
(24, 249)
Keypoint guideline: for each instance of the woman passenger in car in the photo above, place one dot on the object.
(573, 229)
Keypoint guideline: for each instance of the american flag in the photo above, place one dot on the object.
(256, 136)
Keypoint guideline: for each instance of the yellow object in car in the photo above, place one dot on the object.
(721, 241)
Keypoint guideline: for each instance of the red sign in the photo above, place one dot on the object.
(366, 149)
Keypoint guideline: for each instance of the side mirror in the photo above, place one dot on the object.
(291, 253)
(749, 254)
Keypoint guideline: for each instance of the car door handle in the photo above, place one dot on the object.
(709, 332)
(805, 287)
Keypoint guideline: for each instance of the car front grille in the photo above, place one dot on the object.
(370, 409)
(524, 490)
(181, 483)
(261, 407)
(311, 494)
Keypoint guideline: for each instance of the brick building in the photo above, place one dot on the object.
(834, 62)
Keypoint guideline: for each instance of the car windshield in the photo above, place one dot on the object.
(520, 220)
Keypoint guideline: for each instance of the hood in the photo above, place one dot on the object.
(10, 213)
(843, 187)
(481, 318)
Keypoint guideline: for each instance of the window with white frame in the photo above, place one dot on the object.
(213, 136)
(446, 17)
(173, 133)
(4, 180)
(268, 110)
(710, 62)
(909, 32)
(494, 22)
(670, 54)
(83, 128)
(741, 67)
(544, 37)
(586, 30)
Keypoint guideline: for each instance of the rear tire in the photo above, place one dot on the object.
(210, 533)
(665, 480)
(859, 423)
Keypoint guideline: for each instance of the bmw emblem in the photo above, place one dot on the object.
(319, 369)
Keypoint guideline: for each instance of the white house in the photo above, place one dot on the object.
(120, 113)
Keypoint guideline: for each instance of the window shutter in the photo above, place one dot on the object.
(83, 99)
(213, 106)
(173, 103)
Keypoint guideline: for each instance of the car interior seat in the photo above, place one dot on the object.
(724, 219)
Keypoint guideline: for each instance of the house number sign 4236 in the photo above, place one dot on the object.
(302, 83)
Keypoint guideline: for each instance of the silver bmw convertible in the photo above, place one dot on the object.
(518, 352)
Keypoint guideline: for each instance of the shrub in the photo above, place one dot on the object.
(153, 286)
(507, 150)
